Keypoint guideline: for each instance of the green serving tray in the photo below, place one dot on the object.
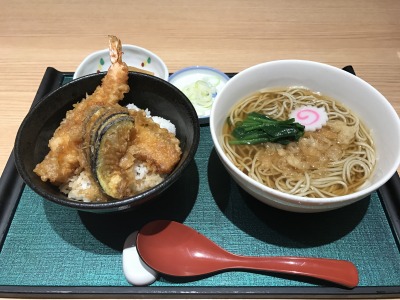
(51, 251)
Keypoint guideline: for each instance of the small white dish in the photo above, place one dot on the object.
(213, 80)
(133, 56)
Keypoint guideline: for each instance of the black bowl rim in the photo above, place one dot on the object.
(125, 203)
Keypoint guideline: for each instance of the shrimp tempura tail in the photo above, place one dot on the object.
(65, 157)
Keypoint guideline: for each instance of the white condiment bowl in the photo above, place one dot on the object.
(364, 100)
(188, 76)
(133, 56)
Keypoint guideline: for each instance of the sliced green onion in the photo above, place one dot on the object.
(202, 93)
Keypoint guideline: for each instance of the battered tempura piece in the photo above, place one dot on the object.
(99, 148)
(65, 157)
(153, 144)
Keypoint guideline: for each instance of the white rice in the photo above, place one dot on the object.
(141, 171)
(77, 187)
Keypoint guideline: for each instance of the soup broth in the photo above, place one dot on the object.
(334, 160)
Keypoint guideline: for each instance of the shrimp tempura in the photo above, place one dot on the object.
(66, 157)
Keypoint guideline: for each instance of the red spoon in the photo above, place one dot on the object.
(178, 250)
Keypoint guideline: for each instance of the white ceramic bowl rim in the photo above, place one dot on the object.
(300, 200)
(195, 68)
(163, 66)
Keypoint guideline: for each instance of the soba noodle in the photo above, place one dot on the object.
(332, 161)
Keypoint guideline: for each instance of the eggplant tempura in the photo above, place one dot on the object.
(102, 150)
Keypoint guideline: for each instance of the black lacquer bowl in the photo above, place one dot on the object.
(157, 95)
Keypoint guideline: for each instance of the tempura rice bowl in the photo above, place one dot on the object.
(364, 100)
(161, 98)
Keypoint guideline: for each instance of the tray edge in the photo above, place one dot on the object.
(11, 184)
